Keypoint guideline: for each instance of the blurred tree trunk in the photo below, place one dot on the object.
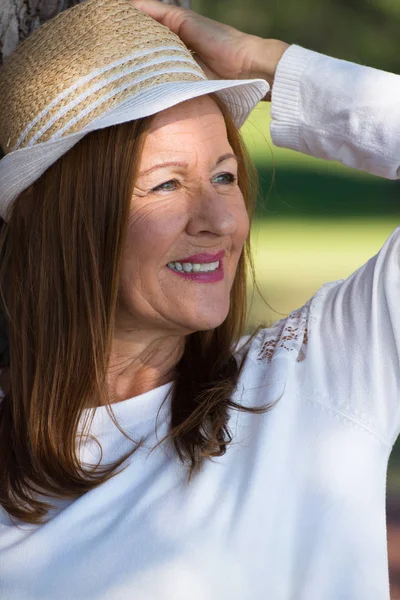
(18, 19)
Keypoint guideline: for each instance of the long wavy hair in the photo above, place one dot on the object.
(60, 262)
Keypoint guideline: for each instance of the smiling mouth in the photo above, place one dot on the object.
(198, 263)
(189, 267)
(203, 273)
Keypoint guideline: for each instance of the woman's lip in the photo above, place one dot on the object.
(202, 258)
(202, 276)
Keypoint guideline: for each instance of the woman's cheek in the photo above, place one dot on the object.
(153, 228)
(243, 224)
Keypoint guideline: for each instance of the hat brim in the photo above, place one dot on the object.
(20, 168)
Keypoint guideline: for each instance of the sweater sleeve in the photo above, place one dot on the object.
(337, 110)
(352, 344)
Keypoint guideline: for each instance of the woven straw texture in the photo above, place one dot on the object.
(82, 63)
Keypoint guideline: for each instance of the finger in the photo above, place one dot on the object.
(170, 16)
(188, 25)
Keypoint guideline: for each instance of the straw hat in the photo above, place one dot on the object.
(99, 63)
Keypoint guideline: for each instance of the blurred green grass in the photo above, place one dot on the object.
(318, 221)
(294, 257)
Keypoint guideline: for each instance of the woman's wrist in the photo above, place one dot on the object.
(267, 54)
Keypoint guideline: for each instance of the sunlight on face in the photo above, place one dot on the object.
(186, 202)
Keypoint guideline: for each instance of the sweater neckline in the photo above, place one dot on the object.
(129, 413)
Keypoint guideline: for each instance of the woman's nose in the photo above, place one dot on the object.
(212, 213)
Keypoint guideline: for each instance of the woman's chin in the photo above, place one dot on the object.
(206, 321)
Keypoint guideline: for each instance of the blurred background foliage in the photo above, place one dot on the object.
(317, 220)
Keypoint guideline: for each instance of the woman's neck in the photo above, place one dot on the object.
(137, 367)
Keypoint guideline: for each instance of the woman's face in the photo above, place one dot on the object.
(186, 202)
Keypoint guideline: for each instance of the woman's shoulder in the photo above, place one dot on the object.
(341, 348)
(286, 338)
(268, 356)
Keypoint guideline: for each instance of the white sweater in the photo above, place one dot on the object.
(295, 510)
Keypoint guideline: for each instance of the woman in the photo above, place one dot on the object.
(110, 300)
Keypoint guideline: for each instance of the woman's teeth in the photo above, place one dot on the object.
(195, 267)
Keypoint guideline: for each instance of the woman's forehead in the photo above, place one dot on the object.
(189, 142)
(192, 114)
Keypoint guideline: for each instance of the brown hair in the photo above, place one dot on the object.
(61, 255)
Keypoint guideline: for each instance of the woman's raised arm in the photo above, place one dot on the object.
(337, 110)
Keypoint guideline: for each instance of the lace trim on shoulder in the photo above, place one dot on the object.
(284, 335)
(291, 334)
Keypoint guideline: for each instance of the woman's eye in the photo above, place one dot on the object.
(172, 184)
(229, 178)
(168, 186)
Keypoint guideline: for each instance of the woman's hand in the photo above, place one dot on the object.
(222, 51)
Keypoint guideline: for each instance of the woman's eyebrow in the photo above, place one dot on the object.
(183, 164)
